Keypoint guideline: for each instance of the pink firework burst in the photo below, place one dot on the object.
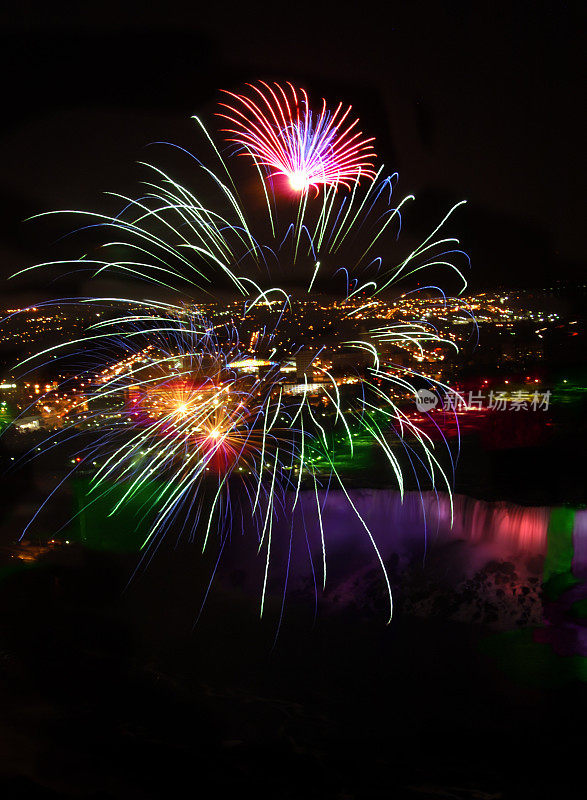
(277, 128)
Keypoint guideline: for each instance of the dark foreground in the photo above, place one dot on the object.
(106, 694)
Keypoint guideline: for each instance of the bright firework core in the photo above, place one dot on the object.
(299, 181)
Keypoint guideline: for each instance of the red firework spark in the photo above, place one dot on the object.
(277, 128)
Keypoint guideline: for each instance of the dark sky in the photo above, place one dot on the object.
(478, 100)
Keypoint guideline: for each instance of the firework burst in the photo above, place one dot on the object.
(203, 409)
(278, 129)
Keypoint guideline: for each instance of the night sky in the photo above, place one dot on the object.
(478, 101)
(478, 687)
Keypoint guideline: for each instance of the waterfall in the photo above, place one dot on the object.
(488, 558)
(417, 522)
